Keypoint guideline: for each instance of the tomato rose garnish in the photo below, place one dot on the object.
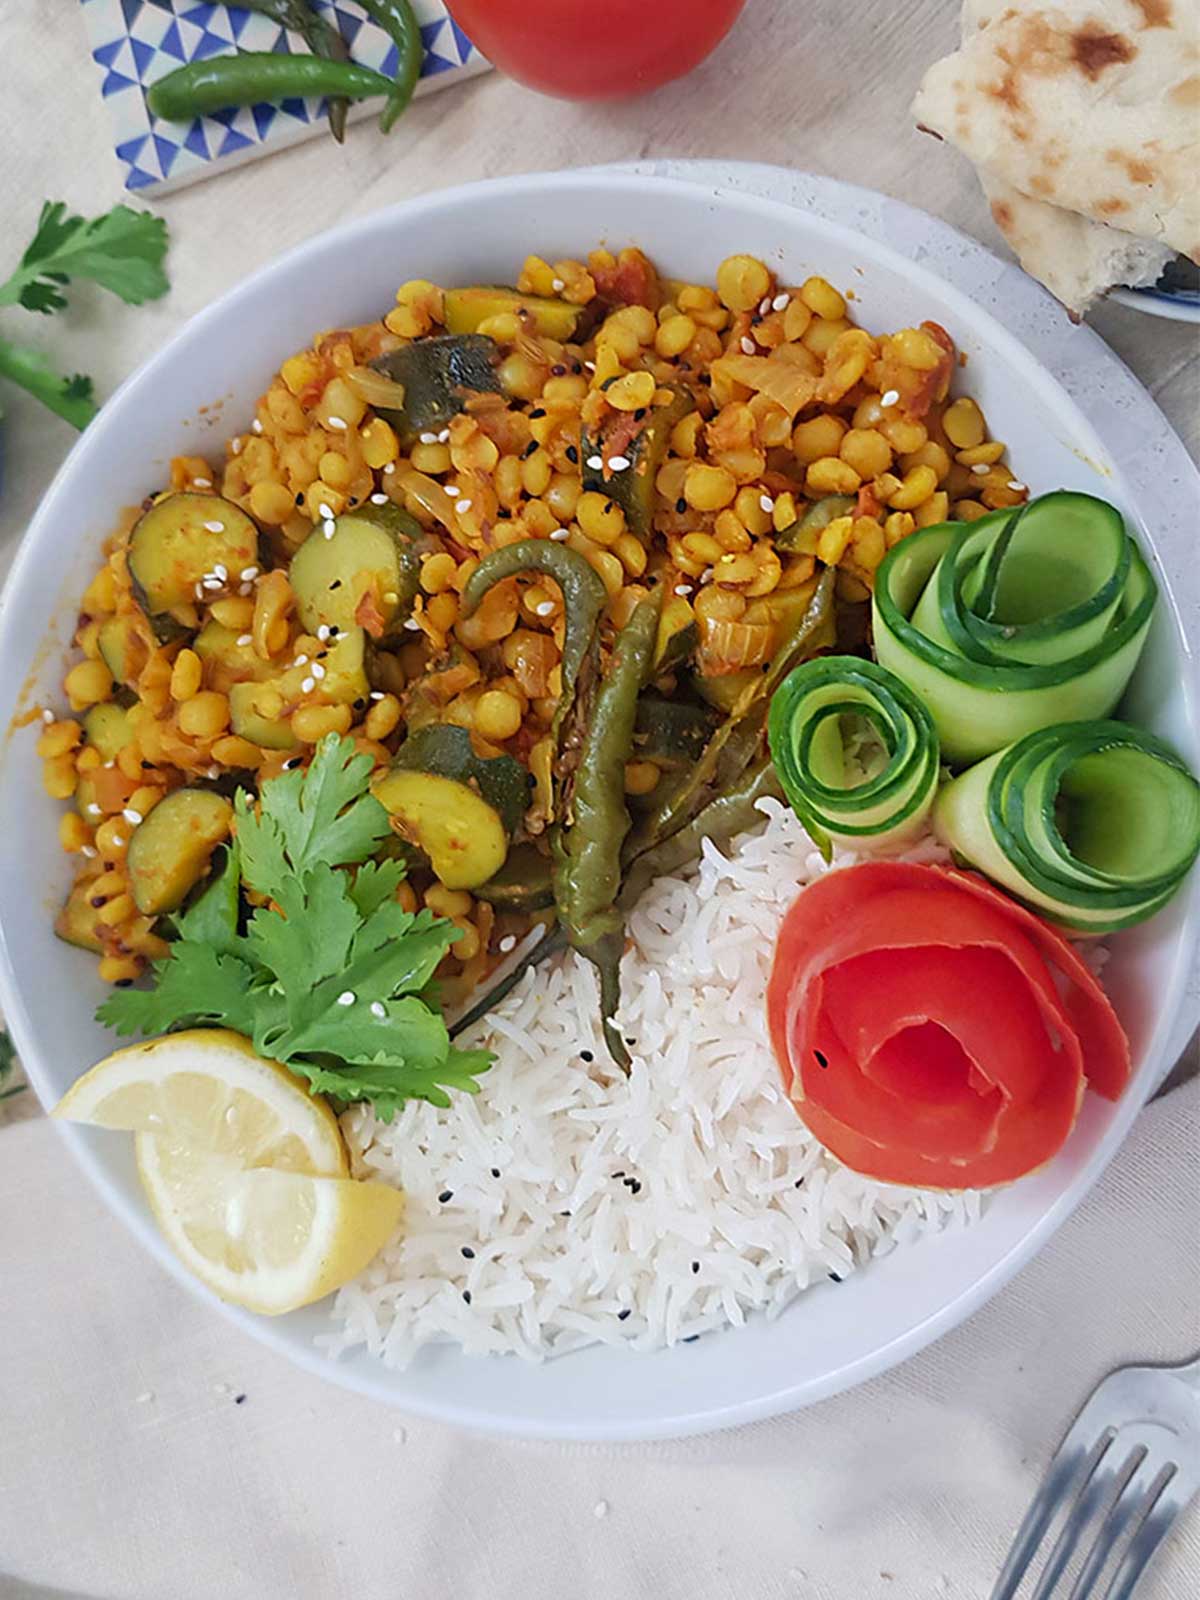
(931, 1031)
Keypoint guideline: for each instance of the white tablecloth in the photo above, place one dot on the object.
(128, 1469)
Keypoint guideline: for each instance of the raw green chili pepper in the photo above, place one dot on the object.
(321, 37)
(584, 600)
(720, 820)
(587, 844)
(255, 76)
(396, 18)
(551, 942)
(738, 740)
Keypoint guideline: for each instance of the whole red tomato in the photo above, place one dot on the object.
(596, 49)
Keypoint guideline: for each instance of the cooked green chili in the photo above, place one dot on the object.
(321, 37)
(587, 844)
(252, 77)
(800, 537)
(396, 18)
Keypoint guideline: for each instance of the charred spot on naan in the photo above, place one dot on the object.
(1094, 50)
(1155, 13)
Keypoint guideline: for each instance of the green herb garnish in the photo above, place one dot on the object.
(122, 250)
(8, 1066)
(330, 977)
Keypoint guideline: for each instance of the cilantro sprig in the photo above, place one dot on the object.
(332, 976)
(122, 250)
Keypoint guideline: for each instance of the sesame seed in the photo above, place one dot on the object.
(201, 483)
(220, 572)
(246, 589)
(462, 506)
(300, 661)
(683, 589)
(595, 462)
(618, 463)
(329, 529)
(980, 469)
(748, 345)
(557, 285)
(235, 446)
(444, 436)
(245, 639)
(118, 839)
(379, 499)
(318, 670)
(766, 502)
(600, 1509)
(213, 772)
(544, 608)
(47, 716)
(338, 423)
(248, 574)
(1017, 488)
(890, 398)
(324, 511)
(376, 694)
(131, 815)
(559, 534)
(509, 942)
(764, 305)
(256, 426)
(214, 527)
(378, 1009)
(307, 686)
(346, 998)
(412, 624)
(88, 850)
(323, 632)
(781, 301)
(389, 469)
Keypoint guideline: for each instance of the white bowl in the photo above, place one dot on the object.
(834, 1336)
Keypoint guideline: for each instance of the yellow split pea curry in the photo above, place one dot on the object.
(429, 538)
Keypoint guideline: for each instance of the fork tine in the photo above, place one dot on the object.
(1130, 1509)
(1090, 1497)
(1156, 1524)
(1069, 1471)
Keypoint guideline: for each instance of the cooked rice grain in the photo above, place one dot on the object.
(586, 1198)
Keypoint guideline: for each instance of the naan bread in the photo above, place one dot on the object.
(1083, 120)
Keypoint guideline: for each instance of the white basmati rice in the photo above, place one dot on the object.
(573, 1205)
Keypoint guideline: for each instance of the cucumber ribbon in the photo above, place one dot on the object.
(855, 750)
(1094, 824)
(1015, 622)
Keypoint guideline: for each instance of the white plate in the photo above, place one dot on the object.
(835, 1336)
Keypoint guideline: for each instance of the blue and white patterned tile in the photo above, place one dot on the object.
(136, 42)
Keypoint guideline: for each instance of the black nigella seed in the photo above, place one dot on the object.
(529, 449)
(558, 370)
(681, 505)
(572, 454)
(629, 1041)
(577, 367)
(97, 901)
(124, 983)
(336, 584)
(635, 1186)
(446, 1194)
(539, 411)
(695, 1266)
(621, 1315)
(467, 1296)
(822, 1059)
(468, 1253)
(620, 1174)
(834, 1278)
(639, 413)
(799, 1183)
(691, 1338)
(586, 1055)
(299, 499)
(495, 1172)
(239, 1399)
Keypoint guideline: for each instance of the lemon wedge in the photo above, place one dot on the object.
(245, 1171)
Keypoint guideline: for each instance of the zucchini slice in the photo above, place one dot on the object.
(1094, 824)
(108, 728)
(226, 661)
(465, 309)
(438, 375)
(77, 922)
(522, 884)
(248, 722)
(855, 750)
(678, 635)
(123, 647)
(169, 852)
(1015, 622)
(643, 442)
(458, 807)
(181, 540)
(672, 733)
(365, 575)
(344, 682)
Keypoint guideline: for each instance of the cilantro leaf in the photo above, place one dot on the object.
(69, 398)
(122, 250)
(8, 1065)
(194, 984)
(333, 977)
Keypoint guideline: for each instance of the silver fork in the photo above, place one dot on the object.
(1126, 1469)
